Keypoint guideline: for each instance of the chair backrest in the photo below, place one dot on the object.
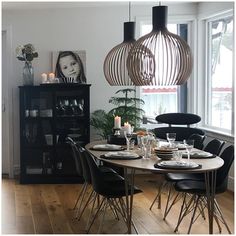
(76, 156)
(85, 166)
(96, 174)
(178, 118)
(214, 146)
(198, 140)
(222, 174)
(183, 130)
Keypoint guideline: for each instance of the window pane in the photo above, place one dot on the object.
(220, 76)
(160, 99)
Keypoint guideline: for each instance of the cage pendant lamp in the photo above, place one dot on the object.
(159, 58)
(115, 66)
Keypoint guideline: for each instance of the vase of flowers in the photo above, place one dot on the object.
(27, 53)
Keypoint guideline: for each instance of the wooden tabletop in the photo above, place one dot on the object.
(148, 164)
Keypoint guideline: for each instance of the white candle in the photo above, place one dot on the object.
(127, 128)
(51, 76)
(117, 122)
(44, 77)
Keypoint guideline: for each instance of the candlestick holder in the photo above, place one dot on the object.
(116, 131)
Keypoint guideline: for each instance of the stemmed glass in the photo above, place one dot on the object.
(128, 137)
(171, 138)
(189, 144)
(144, 141)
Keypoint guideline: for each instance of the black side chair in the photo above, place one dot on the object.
(198, 191)
(214, 146)
(83, 169)
(198, 140)
(112, 193)
(182, 122)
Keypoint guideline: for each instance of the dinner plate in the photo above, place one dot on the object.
(177, 165)
(198, 155)
(122, 155)
(107, 147)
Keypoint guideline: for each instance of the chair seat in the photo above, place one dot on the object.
(196, 187)
(116, 190)
(174, 177)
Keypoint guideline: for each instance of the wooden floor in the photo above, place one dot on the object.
(48, 209)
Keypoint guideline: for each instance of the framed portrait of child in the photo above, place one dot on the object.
(70, 66)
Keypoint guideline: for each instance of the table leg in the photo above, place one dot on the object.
(210, 181)
(129, 197)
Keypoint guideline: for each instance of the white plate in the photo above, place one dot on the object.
(122, 154)
(176, 164)
(107, 147)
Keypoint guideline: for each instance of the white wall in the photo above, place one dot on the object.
(95, 29)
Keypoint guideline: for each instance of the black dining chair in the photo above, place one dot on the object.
(198, 140)
(178, 123)
(112, 193)
(214, 146)
(83, 169)
(197, 189)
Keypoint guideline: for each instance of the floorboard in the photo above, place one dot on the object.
(48, 209)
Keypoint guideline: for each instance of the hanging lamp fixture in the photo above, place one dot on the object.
(159, 58)
(114, 67)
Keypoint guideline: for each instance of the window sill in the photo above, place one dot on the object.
(217, 134)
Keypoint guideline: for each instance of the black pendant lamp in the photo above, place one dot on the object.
(160, 57)
(115, 64)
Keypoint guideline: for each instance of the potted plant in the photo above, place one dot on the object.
(126, 106)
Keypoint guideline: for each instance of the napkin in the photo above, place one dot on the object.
(122, 154)
(198, 154)
(107, 147)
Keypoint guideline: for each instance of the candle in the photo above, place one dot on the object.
(127, 128)
(44, 78)
(117, 122)
(51, 76)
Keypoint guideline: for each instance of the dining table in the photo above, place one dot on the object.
(208, 166)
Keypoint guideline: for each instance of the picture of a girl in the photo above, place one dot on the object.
(69, 68)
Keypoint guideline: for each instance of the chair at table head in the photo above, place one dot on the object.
(182, 122)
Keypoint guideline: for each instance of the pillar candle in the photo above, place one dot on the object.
(44, 78)
(127, 127)
(117, 122)
(51, 76)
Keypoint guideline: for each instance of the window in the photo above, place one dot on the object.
(219, 73)
(163, 99)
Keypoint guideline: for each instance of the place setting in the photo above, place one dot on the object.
(107, 147)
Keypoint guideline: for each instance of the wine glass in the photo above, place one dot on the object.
(189, 144)
(144, 141)
(128, 137)
(171, 138)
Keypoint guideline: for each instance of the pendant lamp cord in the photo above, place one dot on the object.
(129, 11)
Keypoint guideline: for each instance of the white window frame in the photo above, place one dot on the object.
(202, 87)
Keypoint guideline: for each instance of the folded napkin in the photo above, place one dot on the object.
(121, 154)
(107, 147)
(199, 154)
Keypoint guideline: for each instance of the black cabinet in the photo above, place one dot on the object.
(49, 114)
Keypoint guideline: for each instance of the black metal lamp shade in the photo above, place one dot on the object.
(114, 66)
(159, 58)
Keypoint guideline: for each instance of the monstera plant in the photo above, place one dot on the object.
(127, 106)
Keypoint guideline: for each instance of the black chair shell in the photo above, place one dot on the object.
(198, 140)
(214, 146)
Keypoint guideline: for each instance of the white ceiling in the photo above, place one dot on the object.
(17, 5)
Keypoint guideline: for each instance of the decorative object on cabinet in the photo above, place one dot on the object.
(49, 114)
(69, 66)
(160, 57)
(114, 66)
(27, 53)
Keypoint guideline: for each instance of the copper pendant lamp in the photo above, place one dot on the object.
(159, 58)
(115, 66)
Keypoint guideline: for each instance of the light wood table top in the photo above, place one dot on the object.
(209, 164)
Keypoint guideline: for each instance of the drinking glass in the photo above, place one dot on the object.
(189, 144)
(128, 137)
(171, 138)
(144, 141)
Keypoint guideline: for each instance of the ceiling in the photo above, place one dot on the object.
(73, 4)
